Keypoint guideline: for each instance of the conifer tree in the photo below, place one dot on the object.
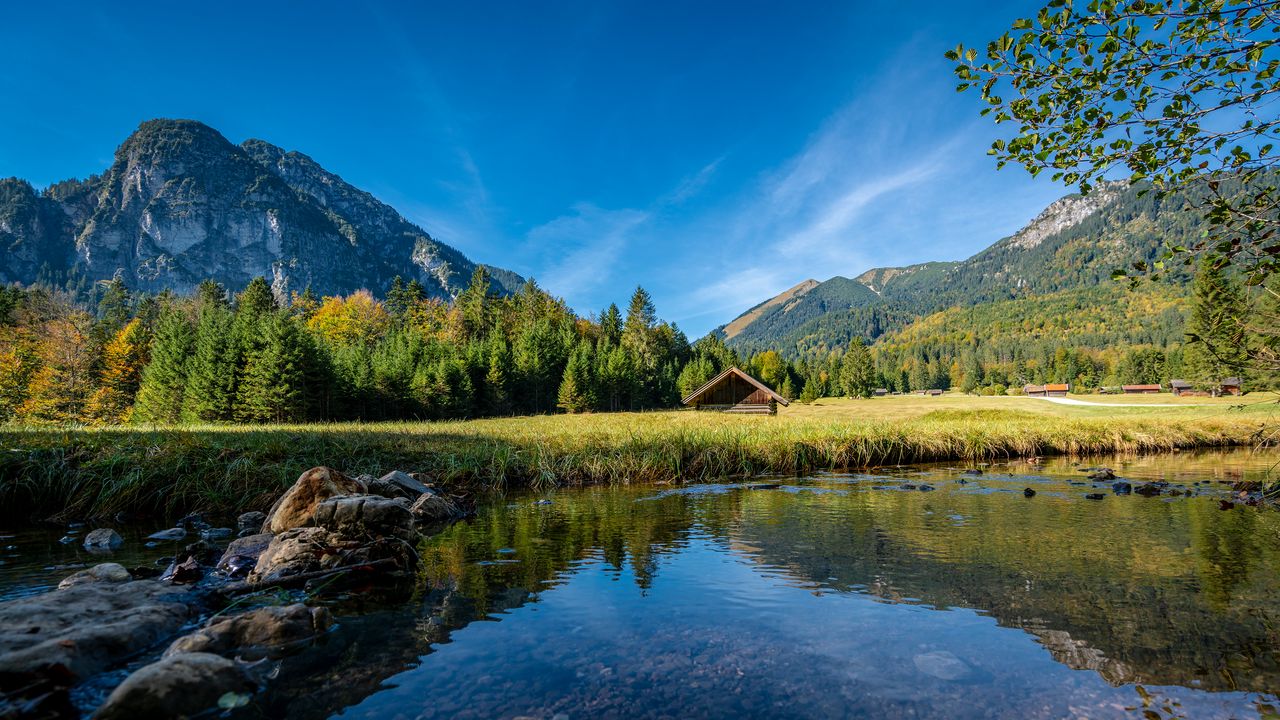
(1216, 341)
(123, 359)
(576, 392)
(473, 305)
(497, 400)
(210, 293)
(637, 330)
(209, 395)
(273, 388)
(115, 307)
(611, 324)
(812, 389)
(856, 370)
(164, 380)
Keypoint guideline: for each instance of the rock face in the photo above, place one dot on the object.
(265, 632)
(181, 204)
(295, 508)
(183, 685)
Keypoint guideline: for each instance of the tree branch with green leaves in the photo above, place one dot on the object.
(1182, 94)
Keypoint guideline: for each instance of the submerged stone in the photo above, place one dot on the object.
(176, 533)
(103, 539)
(183, 685)
(942, 665)
(264, 632)
(106, 572)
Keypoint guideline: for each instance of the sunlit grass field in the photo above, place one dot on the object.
(89, 471)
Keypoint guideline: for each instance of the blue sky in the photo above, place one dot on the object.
(716, 153)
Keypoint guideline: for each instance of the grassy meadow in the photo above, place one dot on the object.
(83, 472)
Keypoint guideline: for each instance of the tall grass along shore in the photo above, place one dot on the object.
(85, 472)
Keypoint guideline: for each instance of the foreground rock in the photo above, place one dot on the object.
(242, 554)
(349, 530)
(397, 484)
(50, 642)
(265, 632)
(179, 686)
(106, 572)
(434, 507)
(296, 507)
(251, 523)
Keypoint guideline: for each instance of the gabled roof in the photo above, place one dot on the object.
(733, 371)
(1231, 381)
(1179, 384)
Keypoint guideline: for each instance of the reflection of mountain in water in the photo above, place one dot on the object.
(1137, 590)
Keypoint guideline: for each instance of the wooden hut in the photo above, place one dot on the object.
(1180, 387)
(1140, 389)
(1230, 386)
(1057, 389)
(1034, 390)
(737, 392)
(880, 392)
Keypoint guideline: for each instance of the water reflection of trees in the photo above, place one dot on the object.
(1135, 589)
(1138, 590)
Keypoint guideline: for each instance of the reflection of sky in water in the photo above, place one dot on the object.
(717, 634)
(826, 597)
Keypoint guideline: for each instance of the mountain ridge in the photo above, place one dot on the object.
(1073, 243)
(180, 204)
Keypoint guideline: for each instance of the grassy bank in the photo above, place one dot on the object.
(86, 472)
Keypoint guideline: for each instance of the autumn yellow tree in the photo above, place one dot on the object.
(19, 361)
(122, 361)
(356, 319)
(60, 389)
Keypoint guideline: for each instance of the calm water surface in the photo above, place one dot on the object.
(831, 596)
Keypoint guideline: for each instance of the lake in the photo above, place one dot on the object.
(838, 595)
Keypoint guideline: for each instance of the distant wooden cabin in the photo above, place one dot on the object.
(736, 392)
(1231, 386)
(1140, 389)
(1047, 390)
(1180, 387)
(880, 392)
(934, 392)
(1057, 389)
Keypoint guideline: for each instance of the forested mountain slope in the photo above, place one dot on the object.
(1069, 252)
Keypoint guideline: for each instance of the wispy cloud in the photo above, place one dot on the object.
(580, 250)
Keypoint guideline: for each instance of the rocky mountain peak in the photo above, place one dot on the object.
(181, 204)
(1065, 213)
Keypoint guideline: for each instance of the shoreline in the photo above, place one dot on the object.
(60, 473)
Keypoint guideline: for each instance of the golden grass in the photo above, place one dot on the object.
(97, 470)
